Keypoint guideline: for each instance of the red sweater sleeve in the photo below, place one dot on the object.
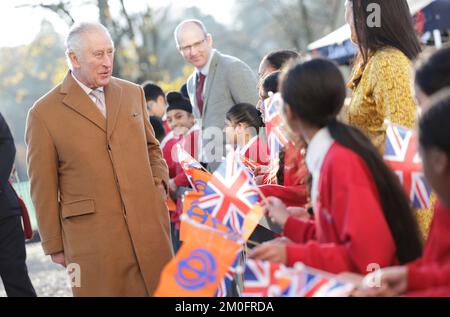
(181, 179)
(427, 276)
(299, 231)
(353, 231)
(292, 196)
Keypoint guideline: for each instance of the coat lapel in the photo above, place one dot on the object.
(210, 79)
(113, 96)
(76, 99)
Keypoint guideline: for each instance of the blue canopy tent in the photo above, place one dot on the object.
(431, 18)
(336, 46)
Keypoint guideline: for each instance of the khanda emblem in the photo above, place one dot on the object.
(197, 213)
(197, 270)
(200, 185)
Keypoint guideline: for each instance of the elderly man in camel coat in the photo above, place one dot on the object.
(98, 179)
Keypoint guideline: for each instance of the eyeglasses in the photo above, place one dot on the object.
(186, 49)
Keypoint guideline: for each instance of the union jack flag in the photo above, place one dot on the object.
(304, 283)
(227, 283)
(402, 156)
(261, 279)
(188, 163)
(250, 165)
(266, 279)
(276, 138)
(230, 193)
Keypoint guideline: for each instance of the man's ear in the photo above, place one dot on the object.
(209, 40)
(74, 60)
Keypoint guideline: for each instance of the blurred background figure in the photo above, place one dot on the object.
(156, 102)
(432, 74)
(158, 127)
(13, 269)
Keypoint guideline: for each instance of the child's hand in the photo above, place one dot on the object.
(273, 251)
(259, 180)
(392, 281)
(172, 186)
(261, 170)
(299, 212)
(275, 209)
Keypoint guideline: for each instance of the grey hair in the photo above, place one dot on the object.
(74, 40)
(184, 22)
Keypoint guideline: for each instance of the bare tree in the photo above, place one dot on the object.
(290, 23)
(135, 35)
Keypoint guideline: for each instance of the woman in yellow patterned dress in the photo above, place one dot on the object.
(382, 80)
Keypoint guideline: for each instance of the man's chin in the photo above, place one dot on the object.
(198, 64)
(104, 82)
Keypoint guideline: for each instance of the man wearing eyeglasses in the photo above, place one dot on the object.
(97, 175)
(218, 83)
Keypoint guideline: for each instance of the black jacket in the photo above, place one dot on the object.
(9, 205)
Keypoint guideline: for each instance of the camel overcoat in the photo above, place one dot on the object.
(93, 187)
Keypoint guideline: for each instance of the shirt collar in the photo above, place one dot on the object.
(205, 69)
(195, 127)
(318, 149)
(85, 88)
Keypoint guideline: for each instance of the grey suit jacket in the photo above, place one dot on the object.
(230, 81)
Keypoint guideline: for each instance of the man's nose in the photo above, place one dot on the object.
(194, 51)
(108, 60)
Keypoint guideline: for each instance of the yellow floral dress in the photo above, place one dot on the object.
(383, 90)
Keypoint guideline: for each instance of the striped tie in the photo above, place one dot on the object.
(99, 100)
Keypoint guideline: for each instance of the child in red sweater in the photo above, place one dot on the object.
(243, 124)
(183, 133)
(362, 215)
(292, 175)
(430, 274)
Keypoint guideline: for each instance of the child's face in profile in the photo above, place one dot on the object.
(230, 132)
(436, 167)
(235, 132)
(180, 121)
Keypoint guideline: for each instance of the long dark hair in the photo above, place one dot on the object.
(396, 30)
(245, 113)
(315, 92)
(270, 83)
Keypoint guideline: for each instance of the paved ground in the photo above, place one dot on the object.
(48, 279)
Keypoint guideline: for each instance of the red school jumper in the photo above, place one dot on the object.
(349, 231)
(430, 274)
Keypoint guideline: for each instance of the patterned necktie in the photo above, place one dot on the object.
(99, 100)
(200, 84)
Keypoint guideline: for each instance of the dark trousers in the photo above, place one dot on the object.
(13, 269)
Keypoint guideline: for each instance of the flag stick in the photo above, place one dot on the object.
(254, 243)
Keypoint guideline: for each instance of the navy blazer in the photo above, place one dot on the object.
(9, 205)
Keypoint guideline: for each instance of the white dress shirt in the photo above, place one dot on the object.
(317, 151)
